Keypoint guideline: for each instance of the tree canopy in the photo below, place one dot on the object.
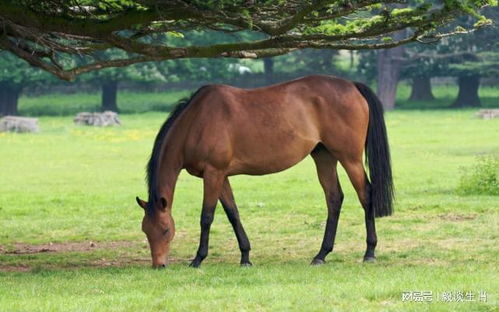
(45, 32)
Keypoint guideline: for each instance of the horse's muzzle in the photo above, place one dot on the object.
(159, 266)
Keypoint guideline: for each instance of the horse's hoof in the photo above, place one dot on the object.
(369, 259)
(246, 264)
(317, 262)
(195, 264)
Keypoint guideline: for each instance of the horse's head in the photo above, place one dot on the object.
(160, 230)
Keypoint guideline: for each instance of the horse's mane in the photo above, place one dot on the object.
(152, 165)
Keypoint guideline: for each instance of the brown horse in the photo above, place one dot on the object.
(223, 131)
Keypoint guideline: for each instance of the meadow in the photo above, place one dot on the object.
(70, 236)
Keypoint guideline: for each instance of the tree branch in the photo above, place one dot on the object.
(38, 31)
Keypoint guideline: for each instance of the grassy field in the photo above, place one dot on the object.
(70, 236)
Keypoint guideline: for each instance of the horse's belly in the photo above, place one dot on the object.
(270, 158)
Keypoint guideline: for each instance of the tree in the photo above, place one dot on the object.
(463, 56)
(15, 74)
(477, 56)
(470, 72)
(43, 32)
(472, 57)
(421, 88)
(420, 69)
(468, 58)
(389, 63)
(468, 90)
(109, 79)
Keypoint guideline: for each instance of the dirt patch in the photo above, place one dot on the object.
(118, 263)
(95, 263)
(457, 217)
(22, 248)
(128, 253)
(131, 261)
(15, 268)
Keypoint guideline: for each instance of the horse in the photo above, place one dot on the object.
(221, 131)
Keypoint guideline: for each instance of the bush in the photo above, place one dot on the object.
(482, 178)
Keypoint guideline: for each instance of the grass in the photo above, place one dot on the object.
(70, 184)
(482, 178)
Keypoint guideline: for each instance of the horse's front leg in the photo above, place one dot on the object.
(213, 181)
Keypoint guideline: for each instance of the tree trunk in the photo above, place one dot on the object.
(389, 64)
(268, 67)
(9, 96)
(421, 89)
(109, 91)
(468, 91)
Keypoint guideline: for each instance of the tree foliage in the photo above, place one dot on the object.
(44, 32)
(18, 73)
(15, 74)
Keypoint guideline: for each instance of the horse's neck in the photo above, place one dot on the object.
(170, 166)
(172, 161)
(167, 179)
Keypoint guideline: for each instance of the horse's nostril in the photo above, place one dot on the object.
(159, 266)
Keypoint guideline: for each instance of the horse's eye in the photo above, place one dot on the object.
(166, 231)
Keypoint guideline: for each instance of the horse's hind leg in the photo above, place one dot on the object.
(328, 177)
(358, 177)
(229, 205)
(212, 183)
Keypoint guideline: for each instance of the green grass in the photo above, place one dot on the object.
(71, 104)
(482, 178)
(77, 184)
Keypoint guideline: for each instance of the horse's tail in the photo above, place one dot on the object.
(378, 155)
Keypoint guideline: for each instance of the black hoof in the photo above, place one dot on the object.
(369, 259)
(195, 264)
(317, 262)
(246, 264)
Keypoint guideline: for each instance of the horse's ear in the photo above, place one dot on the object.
(164, 203)
(141, 203)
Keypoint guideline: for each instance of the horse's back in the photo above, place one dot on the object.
(264, 130)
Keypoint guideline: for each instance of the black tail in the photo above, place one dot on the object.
(378, 155)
